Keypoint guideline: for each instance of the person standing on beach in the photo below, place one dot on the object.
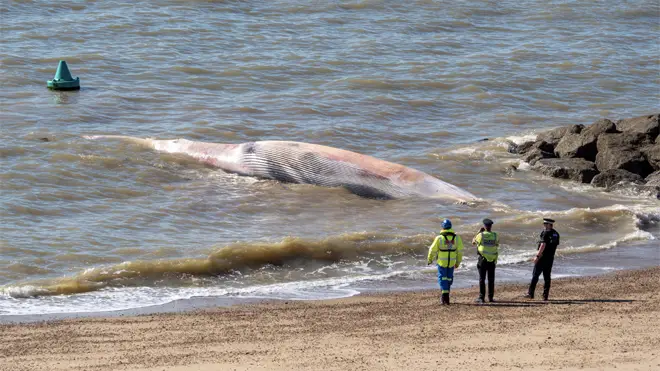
(447, 251)
(549, 240)
(488, 243)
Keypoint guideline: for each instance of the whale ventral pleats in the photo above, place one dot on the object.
(305, 163)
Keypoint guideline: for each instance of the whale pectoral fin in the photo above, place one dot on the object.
(280, 173)
(367, 192)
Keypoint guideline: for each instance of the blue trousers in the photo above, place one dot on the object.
(445, 278)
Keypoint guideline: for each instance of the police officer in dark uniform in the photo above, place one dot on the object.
(549, 240)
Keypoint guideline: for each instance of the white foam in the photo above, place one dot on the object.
(114, 299)
(26, 291)
(637, 235)
(624, 193)
(523, 138)
(616, 207)
(578, 187)
(21, 300)
(464, 151)
(476, 153)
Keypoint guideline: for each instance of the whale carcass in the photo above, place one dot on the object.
(305, 163)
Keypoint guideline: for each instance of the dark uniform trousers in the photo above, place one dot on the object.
(486, 267)
(544, 265)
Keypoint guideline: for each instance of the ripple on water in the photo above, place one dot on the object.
(416, 83)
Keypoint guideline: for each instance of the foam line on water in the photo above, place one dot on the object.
(114, 299)
(519, 139)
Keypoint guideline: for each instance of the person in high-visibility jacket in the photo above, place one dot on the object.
(488, 243)
(447, 251)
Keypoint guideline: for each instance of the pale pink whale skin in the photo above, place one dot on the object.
(298, 162)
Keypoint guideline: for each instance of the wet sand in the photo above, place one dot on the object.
(597, 323)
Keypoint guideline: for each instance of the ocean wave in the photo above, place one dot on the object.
(519, 139)
(492, 149)
(116, 299)
(642, 216)
(633, 236)
(353, 254)
(239, 258)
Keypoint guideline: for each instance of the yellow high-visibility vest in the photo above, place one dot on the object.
(488, 245)
(447, 249)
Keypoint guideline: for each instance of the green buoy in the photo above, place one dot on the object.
(63, 79)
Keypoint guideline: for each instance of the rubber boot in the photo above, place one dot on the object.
(546, 293)
(445, 298)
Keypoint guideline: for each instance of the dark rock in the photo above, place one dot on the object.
(599, 127)
(523, 148)
(609, 178)
(583, 145)
(653, 179)
(519, 148)
(510, 170)
(621, 151)
(647, 125)
(634, 140)
(537, 154)
(531, 146)
(511, 147)
(554, 136)
(633, 161)
(544, 146)
(567, 168)
(652, 154)
(575, 129)
(577, 146)
(44, 139)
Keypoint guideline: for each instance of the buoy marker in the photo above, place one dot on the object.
(63, 79)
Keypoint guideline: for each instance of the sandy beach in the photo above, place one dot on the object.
(593, 323)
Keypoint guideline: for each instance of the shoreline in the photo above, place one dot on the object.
(589, 264)
(600, 322)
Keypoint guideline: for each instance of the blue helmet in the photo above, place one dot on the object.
(446, 224)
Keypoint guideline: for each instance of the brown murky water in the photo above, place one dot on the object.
(101, 225)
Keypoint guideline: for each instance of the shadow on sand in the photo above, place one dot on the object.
(533, 303)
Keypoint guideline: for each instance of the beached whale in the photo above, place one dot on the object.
(304, 163)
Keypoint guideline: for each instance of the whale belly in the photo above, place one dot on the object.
(292, 162)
